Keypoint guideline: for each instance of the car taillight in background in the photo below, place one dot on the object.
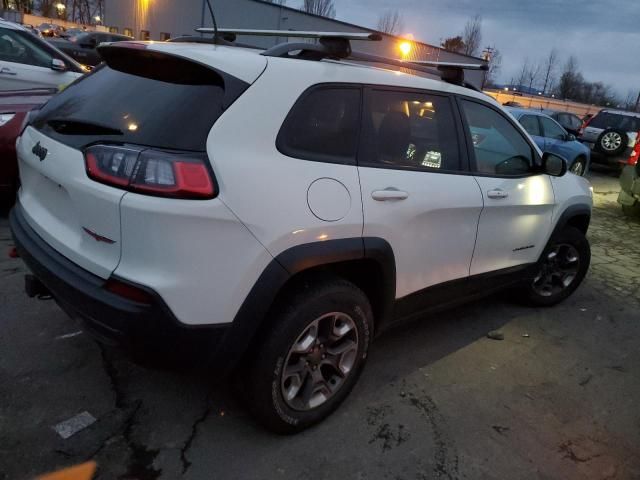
(151, 172)
(584, 125)
(635, 153)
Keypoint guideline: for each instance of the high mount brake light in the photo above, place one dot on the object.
(151, 172)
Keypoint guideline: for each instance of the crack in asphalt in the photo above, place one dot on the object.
(141, 457)
(186, 463)
(446, 462)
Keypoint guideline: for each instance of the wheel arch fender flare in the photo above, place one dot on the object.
(578, 216)
(286, 265)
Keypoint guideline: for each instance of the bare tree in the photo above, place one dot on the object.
(472, 35)
(533, 74)
(453, 44)
(324, 8)
(495, 64)
(391, 22)
(524, 73)
(571, 80)
(549, 69)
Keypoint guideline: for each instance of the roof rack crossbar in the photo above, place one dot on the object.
(363, 36)
(443, 65)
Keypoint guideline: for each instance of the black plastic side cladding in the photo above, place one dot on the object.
(289, 263)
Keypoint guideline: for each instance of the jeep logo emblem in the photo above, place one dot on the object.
(39, 151)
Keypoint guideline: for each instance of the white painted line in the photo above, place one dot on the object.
(69, 335)
(75, 424)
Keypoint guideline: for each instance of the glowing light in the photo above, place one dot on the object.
(296, 232)
(60, 6)
(405, 48)
(132, 127)
(324, 236)
(97, 18)
(428, 104)
(537, 191)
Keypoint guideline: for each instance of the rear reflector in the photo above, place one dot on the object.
(128, 291)
(151, 172)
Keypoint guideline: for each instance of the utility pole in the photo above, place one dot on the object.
(486, 56)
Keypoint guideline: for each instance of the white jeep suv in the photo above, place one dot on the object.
(281, 210)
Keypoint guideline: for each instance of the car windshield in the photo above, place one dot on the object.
(113, 105)
(79, 37)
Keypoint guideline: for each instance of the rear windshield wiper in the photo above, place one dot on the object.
(79, 127)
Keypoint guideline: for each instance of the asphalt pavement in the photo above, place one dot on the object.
(558, 398)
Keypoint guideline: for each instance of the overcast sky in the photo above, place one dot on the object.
(604, 35)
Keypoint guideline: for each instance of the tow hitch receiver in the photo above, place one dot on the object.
(34, 287)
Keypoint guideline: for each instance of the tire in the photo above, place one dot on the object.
(578, 167)
(632, 211)
(276, 395)
(612, 142)
(557, 277)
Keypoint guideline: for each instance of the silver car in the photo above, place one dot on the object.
(613, 133)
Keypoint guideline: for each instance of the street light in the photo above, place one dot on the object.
(97, 18)
(60, 7)
(405, 48)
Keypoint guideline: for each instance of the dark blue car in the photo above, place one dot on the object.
(551, 137)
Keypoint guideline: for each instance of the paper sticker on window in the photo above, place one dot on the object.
(432, 160)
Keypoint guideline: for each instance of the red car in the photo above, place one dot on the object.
(14, 107)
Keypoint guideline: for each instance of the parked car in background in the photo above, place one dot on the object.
(27, 61)
(570, 122)
(612, 133)
(629, 196)
(33, 30)
(14, 108)
(513, 104)
(50, 29)
(72, 32)
(82, 46)
(550, 136)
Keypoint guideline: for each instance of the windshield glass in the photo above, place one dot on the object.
(116, 106)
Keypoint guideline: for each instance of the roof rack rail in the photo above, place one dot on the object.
(337, 46)
(464, 66)
(364, 36)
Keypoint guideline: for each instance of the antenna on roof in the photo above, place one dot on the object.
(215, 24)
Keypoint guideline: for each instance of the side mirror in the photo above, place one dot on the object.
(58, 65)
(553, 164)
(570, 137)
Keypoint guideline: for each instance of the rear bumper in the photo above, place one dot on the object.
(110, 318)
(630, 185)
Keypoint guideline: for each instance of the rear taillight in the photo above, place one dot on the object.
(151, 172)
(584, 125)
(635, 153)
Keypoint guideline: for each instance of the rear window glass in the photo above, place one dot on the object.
(323, 126)
(175, 111)
(606, 120)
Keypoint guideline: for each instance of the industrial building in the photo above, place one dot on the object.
(164, 19)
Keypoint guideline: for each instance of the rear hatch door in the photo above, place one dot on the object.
(139, 99)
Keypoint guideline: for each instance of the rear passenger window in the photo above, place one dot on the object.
(531, 125)
(323, 126)
(409, 130)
